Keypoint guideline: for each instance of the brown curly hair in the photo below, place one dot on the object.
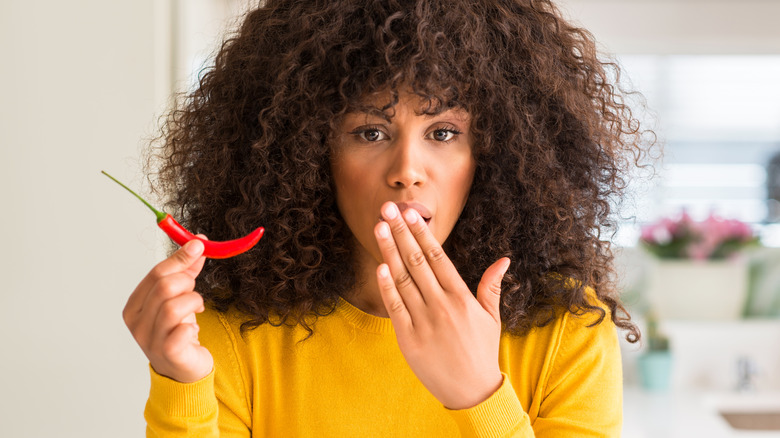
(554, 144)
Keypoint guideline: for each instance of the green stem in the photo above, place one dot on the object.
(160, 214)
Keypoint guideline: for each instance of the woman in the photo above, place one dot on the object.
(434, 178)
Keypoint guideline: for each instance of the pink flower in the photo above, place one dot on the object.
(715, 237)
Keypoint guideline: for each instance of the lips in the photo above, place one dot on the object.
(424, 212)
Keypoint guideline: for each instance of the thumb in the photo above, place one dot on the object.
(194, 269)
(489, 288)
(188, 255)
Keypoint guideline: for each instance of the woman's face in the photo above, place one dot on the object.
(418, 161)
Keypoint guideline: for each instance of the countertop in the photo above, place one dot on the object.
(677, 413)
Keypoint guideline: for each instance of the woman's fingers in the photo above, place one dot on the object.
(180, 261)
(172, 314)
(406, 260)
(394, 303)
(182, 357)
(489, 288)
(142, 324)
(160, 314)
(180, 309)
(437, 262)
(403, 282)
(195, 268)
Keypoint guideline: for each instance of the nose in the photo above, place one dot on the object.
(407, 165)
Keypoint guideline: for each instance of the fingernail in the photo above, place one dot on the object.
(384, 271)
(194, 247)
(383, 230)
(411, 216)
(391, 211)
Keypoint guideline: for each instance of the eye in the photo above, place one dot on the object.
(369, 134)
(443, 134)
(373, 135)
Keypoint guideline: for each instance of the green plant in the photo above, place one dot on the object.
(656, 341)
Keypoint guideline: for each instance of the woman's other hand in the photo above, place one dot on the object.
(160, 314)
(449, 339)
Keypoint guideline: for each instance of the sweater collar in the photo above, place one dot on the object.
(363, 320)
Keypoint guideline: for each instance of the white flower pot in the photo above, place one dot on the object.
(698, 290)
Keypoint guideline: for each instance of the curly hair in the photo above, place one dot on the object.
(554, 142)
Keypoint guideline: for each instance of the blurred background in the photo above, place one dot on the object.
(85, 83)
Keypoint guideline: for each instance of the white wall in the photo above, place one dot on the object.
(680, 26)
(80, 91)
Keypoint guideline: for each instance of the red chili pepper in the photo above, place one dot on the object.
(180, 235)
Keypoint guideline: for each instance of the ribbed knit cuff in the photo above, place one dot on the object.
(178, 399)
(498, 416)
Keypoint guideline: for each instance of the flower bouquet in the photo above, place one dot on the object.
(712, 239)
(696, 273)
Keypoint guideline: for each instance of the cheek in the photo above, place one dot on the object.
(352, 190)
(455, 188)
(347, 179)
(461, 178)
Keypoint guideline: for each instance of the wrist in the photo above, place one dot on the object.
(185, 377)
(471, 397)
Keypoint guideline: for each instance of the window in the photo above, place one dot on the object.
(718, 118)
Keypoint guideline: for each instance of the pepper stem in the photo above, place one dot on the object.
(160, 214)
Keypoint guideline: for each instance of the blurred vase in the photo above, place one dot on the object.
(655, 370)
(698, 290)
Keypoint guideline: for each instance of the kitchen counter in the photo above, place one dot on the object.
(675, 414)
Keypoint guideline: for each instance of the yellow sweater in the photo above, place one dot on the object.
(350, 380)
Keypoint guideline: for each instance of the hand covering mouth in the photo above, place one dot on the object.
(424, 212)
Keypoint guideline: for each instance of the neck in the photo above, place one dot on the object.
(365, 296)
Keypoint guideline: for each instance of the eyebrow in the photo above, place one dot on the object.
(371, 110)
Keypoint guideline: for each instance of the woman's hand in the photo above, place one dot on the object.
(449, 339)
(160, 314)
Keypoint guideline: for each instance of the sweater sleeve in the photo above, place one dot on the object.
(501, 415)
(215, 406)
(584, 390)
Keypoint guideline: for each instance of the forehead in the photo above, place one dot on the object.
(384, 103)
